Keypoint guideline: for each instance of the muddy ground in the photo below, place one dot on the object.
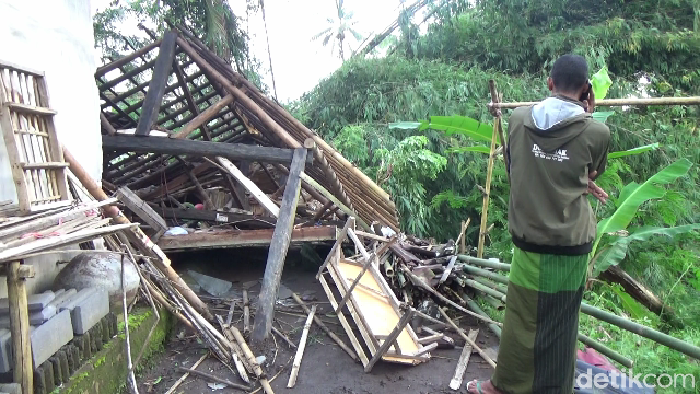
(325, 368)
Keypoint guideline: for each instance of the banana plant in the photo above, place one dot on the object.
(631, 198)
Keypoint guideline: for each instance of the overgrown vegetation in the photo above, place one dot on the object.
(650, 48)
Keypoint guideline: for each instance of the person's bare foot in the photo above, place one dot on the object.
(477, 387)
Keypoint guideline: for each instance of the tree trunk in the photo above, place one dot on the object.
(640, 293)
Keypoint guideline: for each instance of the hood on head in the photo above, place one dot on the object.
(548, 121)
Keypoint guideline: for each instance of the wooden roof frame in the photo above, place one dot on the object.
(193, 94)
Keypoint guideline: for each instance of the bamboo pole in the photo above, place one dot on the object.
(496, 329)
(485, 199)
(300, 350)
(215, 379)
(606, 351)
(171, 390)
(692, 100)
(250, 358)
(325, 328)
(466, 338)
(636, 328)
(483, 262)
(131, 378)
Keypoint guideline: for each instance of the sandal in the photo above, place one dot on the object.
(478, 386)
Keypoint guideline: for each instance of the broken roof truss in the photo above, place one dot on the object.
(178, 120)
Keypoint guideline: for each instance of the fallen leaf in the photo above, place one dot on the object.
(216, 386)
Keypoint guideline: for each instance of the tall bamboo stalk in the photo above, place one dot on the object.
(489, 174)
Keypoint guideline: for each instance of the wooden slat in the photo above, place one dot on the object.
(23, 200)
(30, 109)
(42, 166)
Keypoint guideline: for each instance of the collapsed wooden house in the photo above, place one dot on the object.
(180, 126)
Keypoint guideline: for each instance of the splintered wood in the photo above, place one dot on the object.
(375, 310)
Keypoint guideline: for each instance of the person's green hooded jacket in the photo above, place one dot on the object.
(553, 146)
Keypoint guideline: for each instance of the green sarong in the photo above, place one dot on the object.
(537, 352)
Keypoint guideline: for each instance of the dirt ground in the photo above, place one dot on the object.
(325, 368)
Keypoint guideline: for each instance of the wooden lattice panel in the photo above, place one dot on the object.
(27, 125)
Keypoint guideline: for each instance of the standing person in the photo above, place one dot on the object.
(556, 152)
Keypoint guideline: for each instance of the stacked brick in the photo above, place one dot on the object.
(67, 328)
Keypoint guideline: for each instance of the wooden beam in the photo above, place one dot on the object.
(143, 211)
(231, 151)
(154, 98)
(258, 194)
(19, 328)
(225, 217)
(278, 249)
(203, 117)
(240, 238)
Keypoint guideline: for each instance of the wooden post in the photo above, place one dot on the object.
(19, 326)
(279, 245)
(485, 202)
(151, 104)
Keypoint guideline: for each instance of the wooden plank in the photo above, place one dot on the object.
(278, 249)
(45, 165)
(19, 328)
(227, 217)
(239, 238)
(173, 146)
(389, 341)
(458, 377)
(176, 183)
(355, 282)
(154, 98)
(258, 194)
(296, 365)
(142, 210)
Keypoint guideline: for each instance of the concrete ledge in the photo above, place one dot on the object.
(105, 372)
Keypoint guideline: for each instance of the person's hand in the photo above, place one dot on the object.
(590, 102)
(596, 190)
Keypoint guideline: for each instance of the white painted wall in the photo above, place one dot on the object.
(56, 37)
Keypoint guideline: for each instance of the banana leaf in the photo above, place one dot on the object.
(602, 116)
(460, 125)
(634, 195)
(615, 251)
(633, 151)
(601, 83)
(480, 149)
(404, 125)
